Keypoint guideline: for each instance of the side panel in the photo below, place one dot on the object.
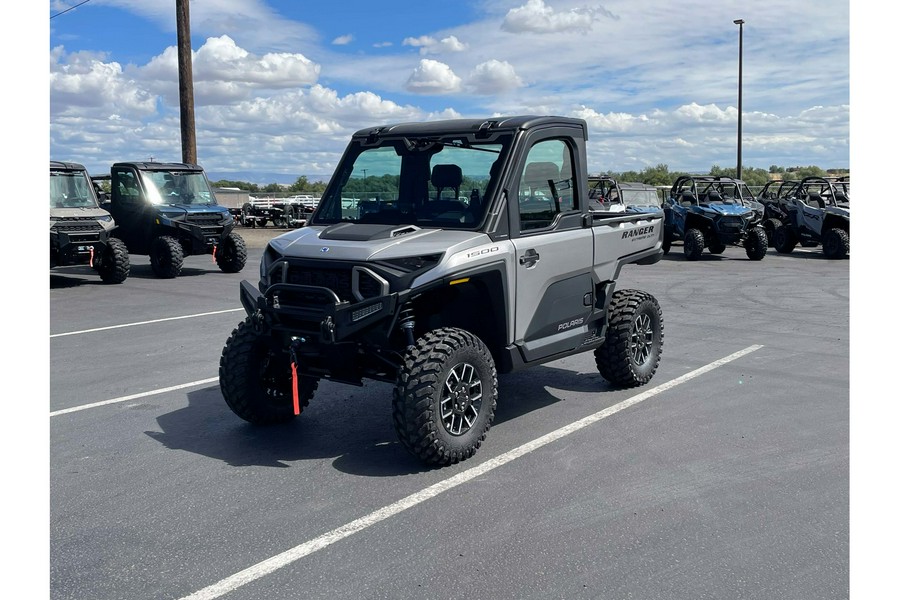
(553, 291)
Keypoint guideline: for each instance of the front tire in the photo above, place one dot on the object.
(693, 244)
(445, 396)
(756, 244)
(256, 380)
(166, 257)
(630, 355)
(231, 254)
(116, 265)
(836, 244)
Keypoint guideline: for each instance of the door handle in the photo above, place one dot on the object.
(530, 258)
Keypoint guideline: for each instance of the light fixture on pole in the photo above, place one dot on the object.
(740, 23)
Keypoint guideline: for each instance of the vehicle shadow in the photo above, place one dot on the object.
(351, 425)
(78, 276)
(71, 280)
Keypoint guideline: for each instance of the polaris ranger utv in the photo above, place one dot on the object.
(477, 256)
(168, 211)
(81, 231)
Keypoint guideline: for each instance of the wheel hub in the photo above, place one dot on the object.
(641, 339)
(460, 399)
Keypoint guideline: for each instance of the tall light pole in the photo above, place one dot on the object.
(740, 23)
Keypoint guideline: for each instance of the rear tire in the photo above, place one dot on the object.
(630, 355)
(445, 396)
(693, 244)
(836, 244)
(770, 226)
(231, 254)
(717, 248)
(785, 241)
(166, 257)
(756, 244)
(256, 381)
(116, 264)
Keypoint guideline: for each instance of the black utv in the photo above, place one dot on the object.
(168, 211)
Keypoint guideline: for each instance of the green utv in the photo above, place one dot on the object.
(81, 233)
(168, 211)
(440, 255)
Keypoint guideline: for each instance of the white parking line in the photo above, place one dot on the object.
(287, 557)
(64, 411)
(206, 314)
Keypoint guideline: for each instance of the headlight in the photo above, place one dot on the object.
(269, 257)
(105, 218)
(409, 264)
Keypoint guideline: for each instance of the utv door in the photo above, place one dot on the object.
(554, 249)
(130, 210)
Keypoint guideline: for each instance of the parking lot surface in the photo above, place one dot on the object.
(725, 477)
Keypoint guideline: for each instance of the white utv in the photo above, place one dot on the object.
(440, 255)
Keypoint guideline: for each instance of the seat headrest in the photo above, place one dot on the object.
(446, 176)
(538, 173)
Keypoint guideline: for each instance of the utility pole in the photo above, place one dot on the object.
(186, 82)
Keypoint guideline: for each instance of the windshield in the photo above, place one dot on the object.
(428, 182)
(640, 197)
(177, 187)
(71, 189)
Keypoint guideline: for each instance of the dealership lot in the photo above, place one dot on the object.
(725, 479)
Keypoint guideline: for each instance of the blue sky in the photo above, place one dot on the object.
(280, 85)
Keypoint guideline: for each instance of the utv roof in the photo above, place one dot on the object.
(66, 166)
(159, 166)
(469, 126)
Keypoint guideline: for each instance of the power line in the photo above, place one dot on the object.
(70, 8)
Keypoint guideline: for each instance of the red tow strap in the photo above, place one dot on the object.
(295, 388)
(214, 253)
(92, 257)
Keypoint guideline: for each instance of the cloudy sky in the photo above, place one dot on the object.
(279, 85)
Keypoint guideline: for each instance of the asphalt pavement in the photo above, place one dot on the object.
(725, 477)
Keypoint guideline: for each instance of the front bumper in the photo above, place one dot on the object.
(316, 313)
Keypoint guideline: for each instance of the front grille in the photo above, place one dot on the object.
(81, 226)
(731, 224)
(337, 280)
(340, 280)
(204, 220)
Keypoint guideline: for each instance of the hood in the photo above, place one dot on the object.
(174, 211)
(726, 209)
(80, 213)
(643, 208)
(366, 242)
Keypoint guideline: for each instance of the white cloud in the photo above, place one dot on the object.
(536, 17)
(429, 45)
(494, 77)
(342, 40)
(433, 77)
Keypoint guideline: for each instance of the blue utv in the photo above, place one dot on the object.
(713, 212)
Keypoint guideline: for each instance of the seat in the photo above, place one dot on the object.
(446, 176)
(814, 199)
(713, 196)
(687, 198)
(538, 176)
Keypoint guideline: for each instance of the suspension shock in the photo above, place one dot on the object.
(407, 323)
